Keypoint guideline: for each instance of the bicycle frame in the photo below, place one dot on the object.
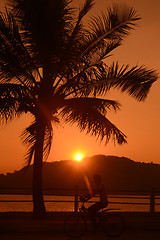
(84, 209)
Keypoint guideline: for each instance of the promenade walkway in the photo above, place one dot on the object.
(21, 226)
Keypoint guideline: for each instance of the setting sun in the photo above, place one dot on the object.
(78, 157)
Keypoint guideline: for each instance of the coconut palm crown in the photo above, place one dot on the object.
(53, 64)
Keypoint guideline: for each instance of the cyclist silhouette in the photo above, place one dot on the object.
(103, 201)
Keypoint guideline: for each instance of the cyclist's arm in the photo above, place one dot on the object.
(88, 196)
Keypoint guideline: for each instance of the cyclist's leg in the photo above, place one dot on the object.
(93, 211)
(95, 208)
(104, 205)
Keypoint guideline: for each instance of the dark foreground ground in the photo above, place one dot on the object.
(21, 226)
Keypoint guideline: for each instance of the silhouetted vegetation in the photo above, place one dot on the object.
(118, 173)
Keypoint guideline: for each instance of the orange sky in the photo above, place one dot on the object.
(139, 121)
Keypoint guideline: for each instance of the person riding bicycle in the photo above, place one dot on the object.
(103, 201)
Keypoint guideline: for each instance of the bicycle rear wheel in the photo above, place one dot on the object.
(75, 225)
(113, 225)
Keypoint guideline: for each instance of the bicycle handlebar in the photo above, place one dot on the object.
(82, 199)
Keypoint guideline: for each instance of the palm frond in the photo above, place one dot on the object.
(102, 105)
(15, 61)
(86, 7)
(99, 79)
(107, 50)
(76, 82)
(76, 36)
(29, 139)
(89, 114)
(47, 141)
(115, 23)
(103, 30)
(136, 81)
(14, 101)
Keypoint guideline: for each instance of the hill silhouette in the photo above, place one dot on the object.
(118, 173)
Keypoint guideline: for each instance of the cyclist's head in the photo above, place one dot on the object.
(97, 179)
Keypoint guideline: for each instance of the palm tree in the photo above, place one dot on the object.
(54, 67)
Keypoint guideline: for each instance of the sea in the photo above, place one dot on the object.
(23, 203)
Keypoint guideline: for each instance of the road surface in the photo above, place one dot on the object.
(129, 234)
(13, 226)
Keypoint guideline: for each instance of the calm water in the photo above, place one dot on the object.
(69, 206)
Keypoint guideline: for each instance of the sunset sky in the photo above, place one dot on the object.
(139, 121)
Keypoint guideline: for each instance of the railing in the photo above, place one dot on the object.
(151, 196)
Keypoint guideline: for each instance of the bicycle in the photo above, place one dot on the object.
(112, 223)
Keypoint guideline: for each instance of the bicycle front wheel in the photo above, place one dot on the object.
(75, 225)
(113, 225)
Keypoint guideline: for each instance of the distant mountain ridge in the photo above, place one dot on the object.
(118, 173)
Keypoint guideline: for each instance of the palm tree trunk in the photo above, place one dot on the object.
(38, 201)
